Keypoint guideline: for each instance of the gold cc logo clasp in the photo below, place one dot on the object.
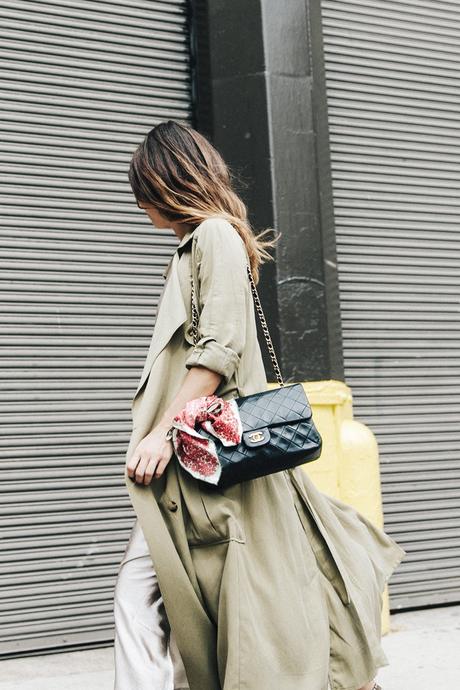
(256, 436)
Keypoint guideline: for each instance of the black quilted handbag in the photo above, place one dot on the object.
(278, 428)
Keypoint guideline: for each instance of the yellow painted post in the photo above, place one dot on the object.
(359, 482)
(349, 464)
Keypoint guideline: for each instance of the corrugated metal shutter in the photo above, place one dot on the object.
(393, 87)
(81, 271)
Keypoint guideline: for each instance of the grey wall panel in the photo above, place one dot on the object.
(80, 275)
(393, 88)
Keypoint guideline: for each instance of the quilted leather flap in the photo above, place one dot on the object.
(287, 404)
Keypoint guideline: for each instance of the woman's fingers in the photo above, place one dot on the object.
(149, 470)
(137, 465)
(140, 469)
(132, 464)
(161, 467)
(150, 458)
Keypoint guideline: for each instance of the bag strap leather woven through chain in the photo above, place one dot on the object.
(263, 322)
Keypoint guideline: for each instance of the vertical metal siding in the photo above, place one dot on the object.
(393, 89)
(81, 82)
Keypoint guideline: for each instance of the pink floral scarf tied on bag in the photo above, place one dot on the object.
(196, 453)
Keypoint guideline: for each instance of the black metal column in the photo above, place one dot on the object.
(259, 92)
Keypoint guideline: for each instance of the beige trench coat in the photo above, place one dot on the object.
(240, 584)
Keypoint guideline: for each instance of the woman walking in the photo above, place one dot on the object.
(266, 585)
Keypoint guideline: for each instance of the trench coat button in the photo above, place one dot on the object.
(172, 505)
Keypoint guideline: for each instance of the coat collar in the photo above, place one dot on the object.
(172, 313)
(179, 249)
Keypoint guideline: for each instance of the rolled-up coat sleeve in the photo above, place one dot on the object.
(222, 297)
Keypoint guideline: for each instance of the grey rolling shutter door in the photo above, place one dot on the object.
(393, 87)
(81, 271)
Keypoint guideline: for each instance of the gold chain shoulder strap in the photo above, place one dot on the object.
(263, 322)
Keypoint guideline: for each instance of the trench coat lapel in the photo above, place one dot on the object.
(172, 314)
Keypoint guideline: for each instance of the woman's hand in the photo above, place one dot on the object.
(150, 456)
(153, 453)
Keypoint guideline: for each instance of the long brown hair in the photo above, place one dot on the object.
(178, 171)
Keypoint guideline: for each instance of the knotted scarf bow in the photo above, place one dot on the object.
(196, 453)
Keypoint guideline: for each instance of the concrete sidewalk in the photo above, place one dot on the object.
(423, 648)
